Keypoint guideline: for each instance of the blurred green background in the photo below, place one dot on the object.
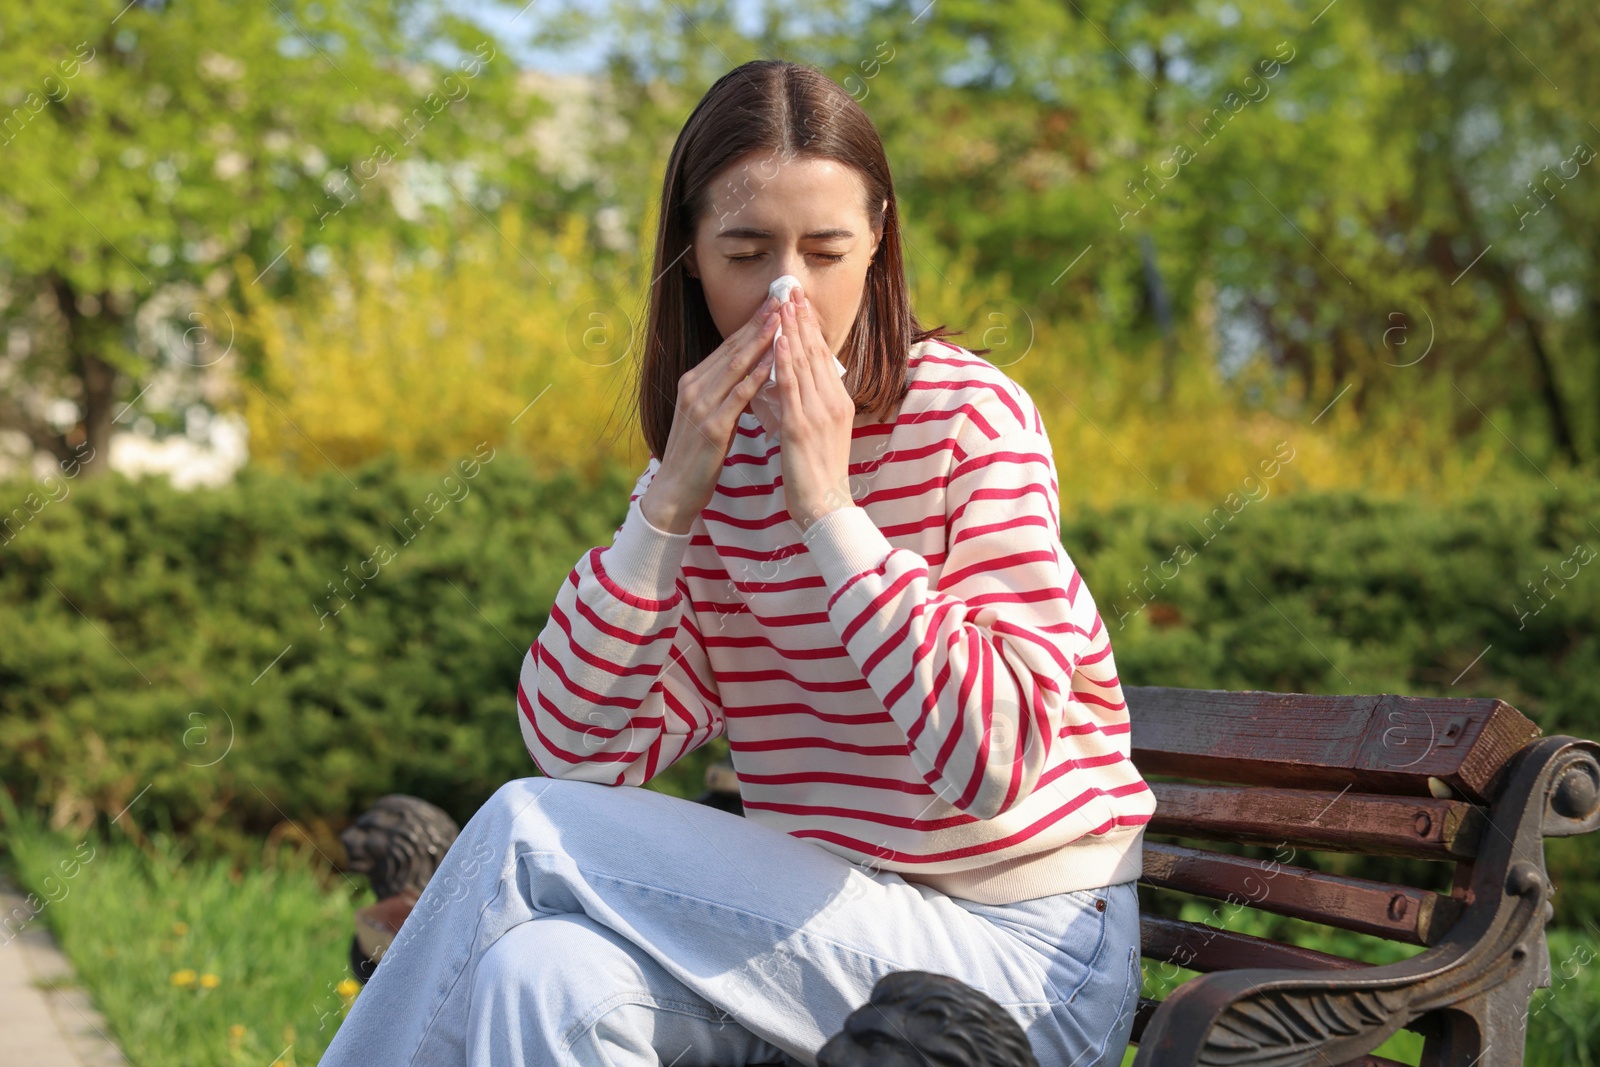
(271, 273)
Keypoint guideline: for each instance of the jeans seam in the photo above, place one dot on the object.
(644, 997)
(1127, 985)
(809, 934)
(776, 923)
(1099, 950)
(422, 1039)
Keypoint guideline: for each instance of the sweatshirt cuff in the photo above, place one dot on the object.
(845, 542)
(643, 560)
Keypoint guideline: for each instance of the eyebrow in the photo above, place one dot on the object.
(820, 235)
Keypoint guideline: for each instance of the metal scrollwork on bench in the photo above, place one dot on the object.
(1284, 1027)
(1490, 960)
(1300, 1021)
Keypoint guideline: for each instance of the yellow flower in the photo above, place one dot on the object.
(236, 1031)
(209, 981)
(183, 978)
(180, 928)
(348, 988)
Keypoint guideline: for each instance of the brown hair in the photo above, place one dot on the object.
(795, 111)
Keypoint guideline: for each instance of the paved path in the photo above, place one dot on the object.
(46, 1020)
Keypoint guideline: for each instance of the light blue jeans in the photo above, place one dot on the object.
(577, 923)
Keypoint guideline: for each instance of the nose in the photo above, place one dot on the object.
(792, 262)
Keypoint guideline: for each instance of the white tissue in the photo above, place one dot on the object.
(781, 288)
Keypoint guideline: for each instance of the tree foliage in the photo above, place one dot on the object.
(1383, 206)
(144, 147)
(1200, 219)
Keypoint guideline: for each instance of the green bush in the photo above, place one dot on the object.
(178, 651)
(183, 652)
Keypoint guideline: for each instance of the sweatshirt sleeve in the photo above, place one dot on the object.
(986, 671)
(618, 686)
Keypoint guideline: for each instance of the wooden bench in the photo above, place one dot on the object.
(1466, 783)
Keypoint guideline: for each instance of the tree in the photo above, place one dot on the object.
(1323, 175)
(146, 149)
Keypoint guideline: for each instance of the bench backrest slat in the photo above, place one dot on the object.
(1203, 947)
(1396, 912)
(1418, 827)
(1376, 744)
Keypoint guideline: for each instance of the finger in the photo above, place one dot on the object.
(787, 385)
(756, 320)
(746, 388)
(824, 370)
(733, 346)
(793, 378)
(759, 343)
(759, 321)
(743, 354)
(805, 361)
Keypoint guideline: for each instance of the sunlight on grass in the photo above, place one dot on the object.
(195, 962)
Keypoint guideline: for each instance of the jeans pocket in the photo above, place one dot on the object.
(1076, 955)
(1094, 1023)
(1065, 937)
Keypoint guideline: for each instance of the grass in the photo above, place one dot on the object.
(196, 961)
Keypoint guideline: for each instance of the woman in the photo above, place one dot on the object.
(859, 580)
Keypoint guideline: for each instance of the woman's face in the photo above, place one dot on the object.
(771, 217)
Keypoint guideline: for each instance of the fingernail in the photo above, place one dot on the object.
(771, 303)
(798, 295)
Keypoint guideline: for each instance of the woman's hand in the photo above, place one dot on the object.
(817, 417)
(711, 396)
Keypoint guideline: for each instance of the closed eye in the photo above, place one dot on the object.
(758, 255)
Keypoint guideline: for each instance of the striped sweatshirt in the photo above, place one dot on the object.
(921, 682)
